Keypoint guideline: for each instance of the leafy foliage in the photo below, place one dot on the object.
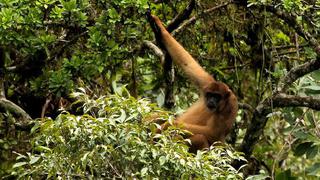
(112, 141)
(51, 47)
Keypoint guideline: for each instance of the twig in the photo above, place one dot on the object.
(45, 106)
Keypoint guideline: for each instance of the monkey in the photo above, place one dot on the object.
(211, 118)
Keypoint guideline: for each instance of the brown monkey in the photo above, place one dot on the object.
(210, 118)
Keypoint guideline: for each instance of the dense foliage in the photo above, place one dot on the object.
(112, 141)
(267, 51)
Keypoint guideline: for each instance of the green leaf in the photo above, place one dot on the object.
(162, 160)
(34, 128)
(69, 5)
(314, 169)
(302, 148)
(311, 119)
(19, 164)
(313, 87)
(43, 148)
(301, 134)
(312, 152)
(34, 159)
(316, 75)
(285, 175)
(144, 171)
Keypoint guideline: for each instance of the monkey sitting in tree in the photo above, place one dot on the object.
(209, 119)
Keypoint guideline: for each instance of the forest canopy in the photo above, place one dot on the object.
(80, 80)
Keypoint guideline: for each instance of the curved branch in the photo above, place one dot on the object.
(285, 100)
(158, 52)
(298, 72)
(6, 105)
(194, 18)
(181, 16)
(260, 116)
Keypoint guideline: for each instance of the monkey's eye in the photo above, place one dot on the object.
(215, 96)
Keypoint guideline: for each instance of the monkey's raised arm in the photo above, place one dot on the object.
(180, 56)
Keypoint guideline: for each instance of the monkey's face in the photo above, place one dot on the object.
(212, 100)
(216, 96)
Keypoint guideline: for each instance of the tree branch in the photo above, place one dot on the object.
(297, 72)
(6, 105)
(285, 100)
(158, 52)
(292, 22)
(279, 99)
(260, 118)
(194, 18)
(181, 16)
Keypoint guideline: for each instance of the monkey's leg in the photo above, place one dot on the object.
(198, 142)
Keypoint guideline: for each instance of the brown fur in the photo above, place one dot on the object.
(206, 125)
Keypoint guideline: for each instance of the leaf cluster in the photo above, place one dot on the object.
(112, 140)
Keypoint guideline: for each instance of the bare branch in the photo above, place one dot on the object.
(181, 16)
(11, 68)
(194, 18)
(6, 105)
(260, 118)
(45, 106)
(298, 72)
(158, 52)
(285, 100)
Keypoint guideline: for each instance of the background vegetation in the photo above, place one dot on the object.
(267, 51)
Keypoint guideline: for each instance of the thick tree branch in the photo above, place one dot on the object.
(6, 105)
(255, 128)
(285, 100)
(194, 18)
(181, 16)
(297, 72)
(260, 118)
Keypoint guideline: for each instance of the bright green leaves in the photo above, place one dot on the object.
(114, 142)
(292, 5)
(57, 12)
(96, 39)
(9, 18)
(113, 15)
(60, 82)
(69, 5)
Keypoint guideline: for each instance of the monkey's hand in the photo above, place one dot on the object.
(157, 28)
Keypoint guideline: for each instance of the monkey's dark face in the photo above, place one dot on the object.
(216, 96)
(213, 100)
